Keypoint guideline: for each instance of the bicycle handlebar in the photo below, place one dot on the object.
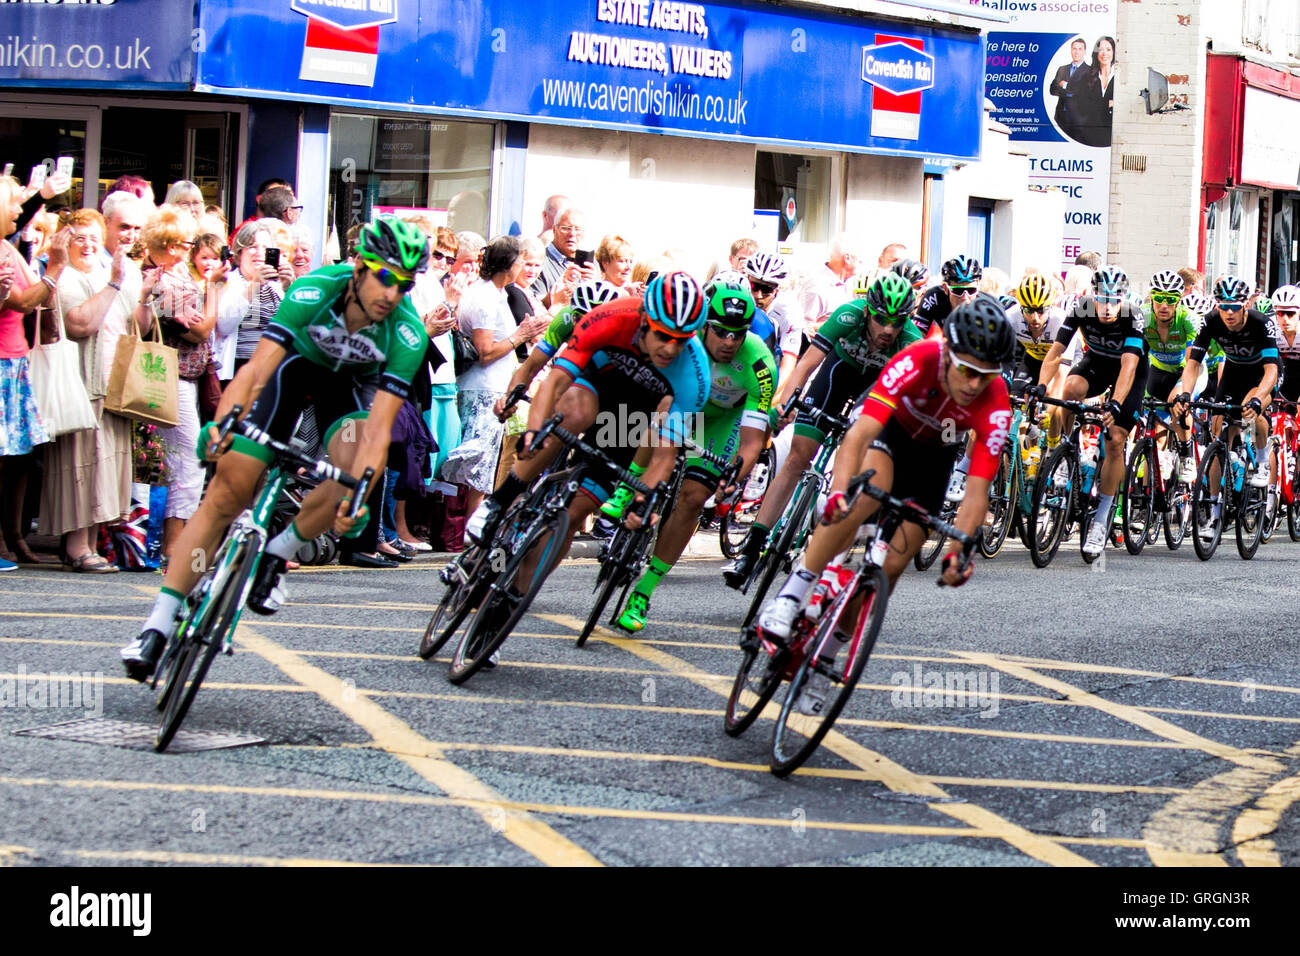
(552, 427)
(819, 415)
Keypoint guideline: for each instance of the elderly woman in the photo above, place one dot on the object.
(253, 293)
(188, 196)
(88, 473)
(187, 311)
(485, 316)
(615, 257)
(524, 304)
(300, 257)
(21, 428)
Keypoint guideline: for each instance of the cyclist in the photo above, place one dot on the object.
(585, 297)
(735, 421)
(953, 380)
(626, 360)
(1115, 360)
(1170, 329)
(1035, 321)
(1250, 368)
(915, 273)
(336, 326)
(766, 273)
(863, 335)
(1286, 317)
(961, 278)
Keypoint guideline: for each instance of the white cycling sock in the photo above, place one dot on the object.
(1105, 503)
(799, 582)
(163, 616)
(286, 544)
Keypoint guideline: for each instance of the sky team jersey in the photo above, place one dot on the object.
(306, 323)
(747, 381)
(1036, 348)
(558, 332)
(603, 344)
(1109, 340)
(910, 392)
(1255, 343)
(934, 308)
(846, 333)
(1170, 354)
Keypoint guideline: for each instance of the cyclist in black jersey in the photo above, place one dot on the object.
(961, 277)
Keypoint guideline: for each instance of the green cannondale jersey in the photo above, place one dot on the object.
(846, 333)
(1169, 355)
(559, 331)
(747, 381)
(310, 323)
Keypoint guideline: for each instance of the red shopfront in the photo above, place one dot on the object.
(1250, 218)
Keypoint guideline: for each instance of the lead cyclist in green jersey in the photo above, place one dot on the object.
(743, 378)
(337, 326)
(1170, 329)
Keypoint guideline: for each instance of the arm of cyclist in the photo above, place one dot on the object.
(1260, 392)
(803, 369)
(524, 375)
(543, 404)
(970, 515)
(663, 457)
(1128, 364)
(751, 445)
(245, 387)
(370, 452)
(1051, 365)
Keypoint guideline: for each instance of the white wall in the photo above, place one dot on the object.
(1155, 215)
(883, 204)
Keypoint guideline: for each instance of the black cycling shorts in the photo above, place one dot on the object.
(1160, 382)
(835, 389)
(1236, 381)
(297, 384)
(921, 468)
(1101, 374)
(1289, 385)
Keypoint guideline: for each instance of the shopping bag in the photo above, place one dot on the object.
(57, 386)
(143, 383)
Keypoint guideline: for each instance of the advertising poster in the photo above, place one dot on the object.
(1051, 78)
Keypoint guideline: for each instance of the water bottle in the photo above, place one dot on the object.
(1238, 469)
(1087, 456)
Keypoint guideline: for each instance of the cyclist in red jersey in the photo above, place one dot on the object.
(928, 395)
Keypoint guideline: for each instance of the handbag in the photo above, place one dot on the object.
(209, 393)
(57, 386)
(143, 384)
(464, 353)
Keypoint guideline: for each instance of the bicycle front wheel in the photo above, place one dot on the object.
(756, 681)
(1002, 504)
(1250, 520)
(1049, 511)
(1138, 507)
(616, 577)
(797, 736)
(464, 593)
(1208, 512)
(779, 552)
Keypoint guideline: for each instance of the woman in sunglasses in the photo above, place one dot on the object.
(337, 327)
(954, 381)
(1116, 359)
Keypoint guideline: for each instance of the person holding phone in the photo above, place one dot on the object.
(253, 293)
(561, 271)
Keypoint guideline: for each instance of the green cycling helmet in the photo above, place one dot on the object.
(729, 302)
(890, 299)
(395, 243)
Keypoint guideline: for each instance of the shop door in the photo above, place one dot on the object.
(1284, 245)
(207, 155)
(34, 134)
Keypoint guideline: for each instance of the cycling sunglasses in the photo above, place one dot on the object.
(1231, 306)
(973, 371)
(887, 320)
(1166, 298)
(391, 278)
(722, 332)
(1292, 313)
(963, 289)
(761, 288)
(1109, 299)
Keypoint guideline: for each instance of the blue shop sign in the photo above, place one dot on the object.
(727, 70)
(127, 44)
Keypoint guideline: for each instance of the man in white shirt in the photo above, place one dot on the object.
(831, 286)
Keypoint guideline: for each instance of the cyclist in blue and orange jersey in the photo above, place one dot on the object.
(1115, 359)
(637, 359)
(961, 280)
(336, 326)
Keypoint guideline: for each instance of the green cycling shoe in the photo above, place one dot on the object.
(633, 616)
(618, 502)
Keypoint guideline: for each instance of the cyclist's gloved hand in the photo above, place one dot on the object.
(345, 525)
(1036, 391)
(206, 446)
(837, 506)
(1114, 409)
(953, 574)
(633, 520)
(1254, 406)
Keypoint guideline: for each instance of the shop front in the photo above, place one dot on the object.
(1251, 188)
(681, 126)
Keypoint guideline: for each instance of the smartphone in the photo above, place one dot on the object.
(273, 258)
(226, 254)
(583, 256)
(65, 165)
(37, 178)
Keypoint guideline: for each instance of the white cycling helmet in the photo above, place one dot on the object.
(764, 267)
(1167, 281)
(1200, 305)
(1286, 297)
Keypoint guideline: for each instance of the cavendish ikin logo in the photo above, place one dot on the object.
(898, 70)
(343, 39)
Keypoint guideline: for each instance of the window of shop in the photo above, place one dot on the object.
(440, 168)
(1231, 229)
(1284, 247)
(797, 186)
(28, 139)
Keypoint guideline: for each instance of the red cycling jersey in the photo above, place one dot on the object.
(909, 390)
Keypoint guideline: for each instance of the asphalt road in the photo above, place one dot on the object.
(1145, 711)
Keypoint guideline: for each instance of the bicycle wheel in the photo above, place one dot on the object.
(1002, 504)
(1050, 507)
(462, 595)
(929, 552)
(735, 524)
(1250, 520)
(796, 737)
(778, 553)
(480, 640)
(1139, 506)
(618, 575)
(203, 637)
(756, 681)
(1206, 531)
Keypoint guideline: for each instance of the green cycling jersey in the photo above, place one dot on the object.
(747, 382)
(310, 322)
(1169, 354)
(559, 331)
(847, 334)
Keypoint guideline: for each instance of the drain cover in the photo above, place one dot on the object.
(123, 733)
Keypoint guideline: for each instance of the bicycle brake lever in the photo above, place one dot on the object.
(359, 493)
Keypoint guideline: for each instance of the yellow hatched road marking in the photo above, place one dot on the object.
(892, 775)
(1250, 829)
(390, 733)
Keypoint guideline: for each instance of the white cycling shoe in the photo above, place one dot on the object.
(1096, 542)
(779, 616)
(812, 699)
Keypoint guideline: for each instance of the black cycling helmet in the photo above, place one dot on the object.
(1110, 281)
(911, 270)
(1232, 289)
(980, 328)
(962, 270)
